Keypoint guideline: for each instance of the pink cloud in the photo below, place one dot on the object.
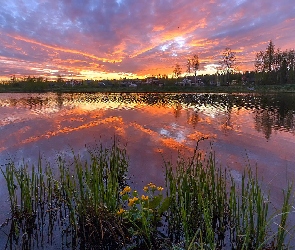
(139, 37)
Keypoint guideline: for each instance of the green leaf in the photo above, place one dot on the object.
(125, 197)
(165, 205)
(155, 202)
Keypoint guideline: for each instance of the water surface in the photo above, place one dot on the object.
(243, 129)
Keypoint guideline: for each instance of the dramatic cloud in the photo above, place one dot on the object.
(113, 38)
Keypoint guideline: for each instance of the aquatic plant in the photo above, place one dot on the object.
(82, 200)
(143, 214)
(91, 204)
(209, 210)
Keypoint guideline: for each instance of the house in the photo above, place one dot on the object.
(190, 80)
(152, 80)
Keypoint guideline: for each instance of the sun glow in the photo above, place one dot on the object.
(134, 39)
(99, 75)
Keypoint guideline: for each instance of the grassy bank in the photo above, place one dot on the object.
(93, 206)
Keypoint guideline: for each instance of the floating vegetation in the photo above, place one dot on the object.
(91, 205)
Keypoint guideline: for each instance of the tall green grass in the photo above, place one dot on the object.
(198, 207)
(92, 193)
(209, 210)
(82, 199)
(91, 205)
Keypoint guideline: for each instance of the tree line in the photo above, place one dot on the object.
(275, 66)
(272, 66)
(226, 69)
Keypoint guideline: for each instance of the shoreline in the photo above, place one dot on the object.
(260, 89)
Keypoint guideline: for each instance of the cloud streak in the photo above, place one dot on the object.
(51, 37)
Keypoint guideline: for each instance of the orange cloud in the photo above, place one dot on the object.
(173, 144)
(159, 28)
(145, 38)
(198, 135)
(116, 122)
(62, 49)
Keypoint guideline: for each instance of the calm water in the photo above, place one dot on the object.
(242, 129)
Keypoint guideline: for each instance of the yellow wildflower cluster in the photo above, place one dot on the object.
(144, 198)
(125, 190)
(132, 201)
(121, 211)
(153, 187)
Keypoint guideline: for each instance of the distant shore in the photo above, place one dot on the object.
(290, 88)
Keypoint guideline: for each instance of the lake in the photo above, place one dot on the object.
(242, 129)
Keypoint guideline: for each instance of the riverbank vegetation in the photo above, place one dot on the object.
(206, 84)
(274, 70)
(92, 204)
(275, 66)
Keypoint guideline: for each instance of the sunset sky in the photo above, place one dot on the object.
(99, 39)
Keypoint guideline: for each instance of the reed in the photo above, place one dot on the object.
(83, 199)
(201, 206)
(209, 210)
(198, 201)
(90, 194)
(286, 208)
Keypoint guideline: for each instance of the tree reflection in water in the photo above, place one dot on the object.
(151, 123)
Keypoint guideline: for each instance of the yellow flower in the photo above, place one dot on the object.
(146, 188)
(120, 211)
(132, 201)
(160, 188)
(152, 185)
(125, 190)
(144, 198)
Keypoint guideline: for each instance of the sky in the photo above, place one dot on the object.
(106, 39)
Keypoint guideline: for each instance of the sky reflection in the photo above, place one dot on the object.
(242, 129)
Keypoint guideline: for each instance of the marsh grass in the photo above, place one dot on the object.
(81, 201)
(209, 210)
(89, 203)
(198, 207)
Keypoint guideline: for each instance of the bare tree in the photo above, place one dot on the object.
(228, 62)
(189, 66)
(177, 70)
(259, 62)
(193, 65)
